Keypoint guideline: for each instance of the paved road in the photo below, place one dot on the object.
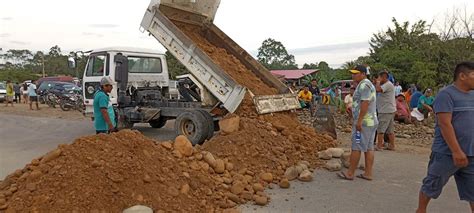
(398, 176)
(24, 138)
(395, 189)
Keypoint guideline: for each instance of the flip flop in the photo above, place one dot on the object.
(362, 176)
(378, 149)
(342, 175)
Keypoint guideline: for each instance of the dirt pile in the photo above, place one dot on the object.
(113, 172)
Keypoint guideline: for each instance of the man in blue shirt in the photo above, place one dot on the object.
(104, 115)
(453, 145)
(415, 98)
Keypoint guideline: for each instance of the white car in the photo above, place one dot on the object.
(3, 92)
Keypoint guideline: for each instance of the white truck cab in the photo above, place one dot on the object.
(146, 68)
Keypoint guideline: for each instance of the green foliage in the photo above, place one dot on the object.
(17, 76)
(325, 75)
(273, 55)
(175, 67)
(416, 55)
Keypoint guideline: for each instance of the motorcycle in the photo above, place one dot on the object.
(71, 100)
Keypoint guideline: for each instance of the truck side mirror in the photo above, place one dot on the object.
(71, 62)
(121, 71)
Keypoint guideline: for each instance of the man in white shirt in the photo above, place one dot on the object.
(398, 89)
(33, 95)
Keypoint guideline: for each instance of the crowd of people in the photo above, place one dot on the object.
(378, 103)
(21, 93)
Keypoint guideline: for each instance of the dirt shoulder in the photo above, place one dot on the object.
(45, 112)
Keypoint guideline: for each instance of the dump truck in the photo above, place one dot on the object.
(209, 93)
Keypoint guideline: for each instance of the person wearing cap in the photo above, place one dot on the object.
(425, 104)
(453, 143)
(364, 124)
(403, 111)
(386, 108)
(104, 115)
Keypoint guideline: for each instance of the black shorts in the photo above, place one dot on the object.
(34, 98)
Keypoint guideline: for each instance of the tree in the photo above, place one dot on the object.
(273, 55)
(175, 67)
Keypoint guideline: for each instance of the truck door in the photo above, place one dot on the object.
(97, 67)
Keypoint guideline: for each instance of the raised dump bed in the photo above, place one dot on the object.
(179, 25)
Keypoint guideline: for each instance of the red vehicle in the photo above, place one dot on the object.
(56, 79)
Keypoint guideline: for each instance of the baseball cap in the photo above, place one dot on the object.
(359, 69)
(106, 81)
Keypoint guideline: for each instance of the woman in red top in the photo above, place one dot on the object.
(403, 111)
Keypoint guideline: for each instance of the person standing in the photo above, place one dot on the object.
(17, 90)
(10, 93)
(24, 92)
(364, 125)
(314, 89)
(453, 145)
(33, 95)
(348, 102)
(104, 114)
(398, 89)
(386, 108)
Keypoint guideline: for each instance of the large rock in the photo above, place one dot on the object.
(219, 166)
(284, 183)
(237, 187)
(229, 125)
(333, 165)
(183, 145)
(336, 152)
(258, 187)
(291, 173)
(306, 176)
(325, 155)
(209, 158)
(267, 177)
(138, 209)
(261, 200)
(51, 155)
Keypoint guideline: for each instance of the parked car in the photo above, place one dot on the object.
(344, 85)
(56, 79)
(3, 92)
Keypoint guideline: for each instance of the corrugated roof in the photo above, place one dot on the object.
(293, 74)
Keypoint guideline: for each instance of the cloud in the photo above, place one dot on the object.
(103, 25)
(4, 35)
(330, 48)
(20, 42)
(92, 34)
(7, 18)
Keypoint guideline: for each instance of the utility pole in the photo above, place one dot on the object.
(42, 60)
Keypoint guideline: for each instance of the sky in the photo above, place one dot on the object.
(333, 31)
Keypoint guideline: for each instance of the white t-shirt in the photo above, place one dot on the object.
(398, 90)
(32, 90)
(348, 100)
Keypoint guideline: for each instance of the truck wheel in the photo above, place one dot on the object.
(193, 125)
(158, 123)
(210, 122)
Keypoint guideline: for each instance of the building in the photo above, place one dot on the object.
(294, 77)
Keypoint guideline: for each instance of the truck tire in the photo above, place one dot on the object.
(159, 123)
(210, 122)
(193, 125)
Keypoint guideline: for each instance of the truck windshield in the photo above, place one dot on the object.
(96, 65)
(144, 65)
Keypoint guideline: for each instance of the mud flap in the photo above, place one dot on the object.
(323, 121)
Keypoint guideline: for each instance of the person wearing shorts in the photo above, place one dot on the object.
(386, 108)
(453, 143)
(33, 95)
(364, 123)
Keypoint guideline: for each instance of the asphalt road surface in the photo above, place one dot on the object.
(395, 187)
(23, 138)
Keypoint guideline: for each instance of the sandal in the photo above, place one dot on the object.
(343, 175)
(362, 176)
